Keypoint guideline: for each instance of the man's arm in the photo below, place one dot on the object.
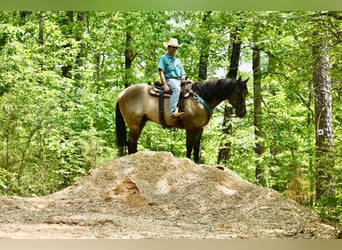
(163, 80)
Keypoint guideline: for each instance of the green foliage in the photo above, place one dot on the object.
(61, 72)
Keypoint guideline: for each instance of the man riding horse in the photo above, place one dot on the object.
(136, 105)
(171, 73)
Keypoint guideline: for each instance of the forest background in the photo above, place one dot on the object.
(61, 72)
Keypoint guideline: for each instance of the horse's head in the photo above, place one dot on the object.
(238, 98)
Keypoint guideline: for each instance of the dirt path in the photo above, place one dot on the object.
(155, 195)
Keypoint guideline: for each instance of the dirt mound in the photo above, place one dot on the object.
(155, 195)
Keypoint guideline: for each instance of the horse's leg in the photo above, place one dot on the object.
(134, 134)
(197, 145)
(189, 145)
(189, 142)
(132, 142)
(193, 142)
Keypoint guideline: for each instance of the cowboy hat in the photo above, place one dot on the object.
(172, 42)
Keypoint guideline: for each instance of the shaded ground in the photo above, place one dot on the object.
(155, 195)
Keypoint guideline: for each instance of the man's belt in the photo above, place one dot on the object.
(176, 78)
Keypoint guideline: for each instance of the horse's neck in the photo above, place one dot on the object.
(214, 98)
(214, 103)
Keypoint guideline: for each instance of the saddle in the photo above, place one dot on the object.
(158, 90)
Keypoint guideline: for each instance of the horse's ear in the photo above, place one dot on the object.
(239, 79)
(246, 80)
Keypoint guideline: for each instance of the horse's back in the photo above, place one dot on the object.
(134, 94)
(134, 89)
(135, 102)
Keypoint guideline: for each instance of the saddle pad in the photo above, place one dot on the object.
(156, 91)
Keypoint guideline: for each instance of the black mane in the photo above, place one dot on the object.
(214, 89)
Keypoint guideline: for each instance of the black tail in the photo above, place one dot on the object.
(121, 138)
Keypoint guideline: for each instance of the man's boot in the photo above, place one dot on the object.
(177, 114)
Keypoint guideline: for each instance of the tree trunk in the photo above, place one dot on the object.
(225, 144)
(129, 57)
(205, 45)
(81, 55)
(41, 29)
(67, 21)
(74, 28)
(259, 134)
(235, 56)
(99, 62)
(323, 117)
(203, 66)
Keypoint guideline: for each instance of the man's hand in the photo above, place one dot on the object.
(166, 88)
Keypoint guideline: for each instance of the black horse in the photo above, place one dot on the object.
(136, 106)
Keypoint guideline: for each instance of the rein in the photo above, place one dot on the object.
(202, 101)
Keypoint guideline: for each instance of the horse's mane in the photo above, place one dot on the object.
(214, 89)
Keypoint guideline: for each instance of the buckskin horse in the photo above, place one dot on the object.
(136, 106)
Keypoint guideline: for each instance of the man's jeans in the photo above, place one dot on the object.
(175, 86)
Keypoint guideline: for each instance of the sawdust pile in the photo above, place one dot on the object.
(155, 195)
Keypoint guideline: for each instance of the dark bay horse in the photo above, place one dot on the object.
(136, 106)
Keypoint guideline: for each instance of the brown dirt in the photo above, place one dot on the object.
(155, 195)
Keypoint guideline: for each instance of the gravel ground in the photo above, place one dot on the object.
(155, 195)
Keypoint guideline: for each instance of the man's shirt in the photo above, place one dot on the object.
(171, 66)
